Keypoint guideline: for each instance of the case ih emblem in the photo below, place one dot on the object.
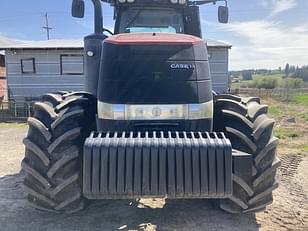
(182, 66)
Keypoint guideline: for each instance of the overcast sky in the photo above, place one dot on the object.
(263, 33)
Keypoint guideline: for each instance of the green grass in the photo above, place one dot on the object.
(300, 99)
(305, 148)
(275, 111)
(13, 125)
(304, 116)
(284, 133)
(242, 84)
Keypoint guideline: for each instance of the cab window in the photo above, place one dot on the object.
(135, 20)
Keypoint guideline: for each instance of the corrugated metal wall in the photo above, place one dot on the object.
(219, 61)
(47, 76)
(50, 77)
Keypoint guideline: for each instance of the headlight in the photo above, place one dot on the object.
(182, 2)
(111, 111)
(200, 111)
(174, 1)
(155, 112)
(122, 1)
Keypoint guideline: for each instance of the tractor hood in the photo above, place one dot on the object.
(169, 46)
(154, 68)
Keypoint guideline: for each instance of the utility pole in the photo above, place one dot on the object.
(46, 27)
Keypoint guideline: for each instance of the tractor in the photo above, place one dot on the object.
(149, 124)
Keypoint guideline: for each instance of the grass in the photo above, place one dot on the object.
(284, 133)
(305, 148)
(275, 111)
(304, 116)
(13, 125)
(300, 99)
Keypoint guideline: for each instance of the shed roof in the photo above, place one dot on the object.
(4, 41)
(72, 44)
(217, 43)
(48, 44)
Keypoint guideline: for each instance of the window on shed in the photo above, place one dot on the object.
(71, 64)
(2, 61)
(28, 66)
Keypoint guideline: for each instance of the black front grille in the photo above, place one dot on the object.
(157, 164)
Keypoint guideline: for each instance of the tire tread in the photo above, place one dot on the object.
(52, 158)
(254, 193)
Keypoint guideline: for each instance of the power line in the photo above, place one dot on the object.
(46, 27)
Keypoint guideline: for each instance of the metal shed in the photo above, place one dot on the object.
(38, 67)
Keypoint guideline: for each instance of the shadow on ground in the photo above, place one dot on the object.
(16, 214)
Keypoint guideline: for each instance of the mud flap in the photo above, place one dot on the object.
(157, 164)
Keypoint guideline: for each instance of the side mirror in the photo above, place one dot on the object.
(78, 8)
(223, 14)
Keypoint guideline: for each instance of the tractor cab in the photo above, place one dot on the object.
(155, 62)
(164, 16)
(150, 19)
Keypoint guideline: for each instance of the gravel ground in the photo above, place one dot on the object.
(288, 212)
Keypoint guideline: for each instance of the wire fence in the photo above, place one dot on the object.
(283, 94)
(15, 111)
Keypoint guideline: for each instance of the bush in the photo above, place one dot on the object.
(292, 83)
(265, 82)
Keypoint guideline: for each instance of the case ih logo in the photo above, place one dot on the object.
(182, 66)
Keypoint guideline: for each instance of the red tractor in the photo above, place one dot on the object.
(149, 123)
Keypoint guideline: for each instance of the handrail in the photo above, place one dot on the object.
(98, 16)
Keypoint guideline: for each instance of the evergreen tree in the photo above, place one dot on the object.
(287, 70)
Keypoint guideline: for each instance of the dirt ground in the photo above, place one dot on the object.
(288, 212)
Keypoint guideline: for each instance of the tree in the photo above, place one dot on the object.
(291, 83)
(287, 70)
(292, 69)
(247, 75)
(301, 73)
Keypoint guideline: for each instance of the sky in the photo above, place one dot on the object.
(263, 33)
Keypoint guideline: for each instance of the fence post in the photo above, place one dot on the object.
(15, 110)
(29, 110)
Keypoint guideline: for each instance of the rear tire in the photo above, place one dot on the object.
(245, 123)
(54, 143)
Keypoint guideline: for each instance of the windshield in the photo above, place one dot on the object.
(151, 20)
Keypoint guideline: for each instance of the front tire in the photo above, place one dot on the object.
(53, 156)
(246, 124)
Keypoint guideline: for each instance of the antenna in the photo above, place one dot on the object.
(46, 27)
